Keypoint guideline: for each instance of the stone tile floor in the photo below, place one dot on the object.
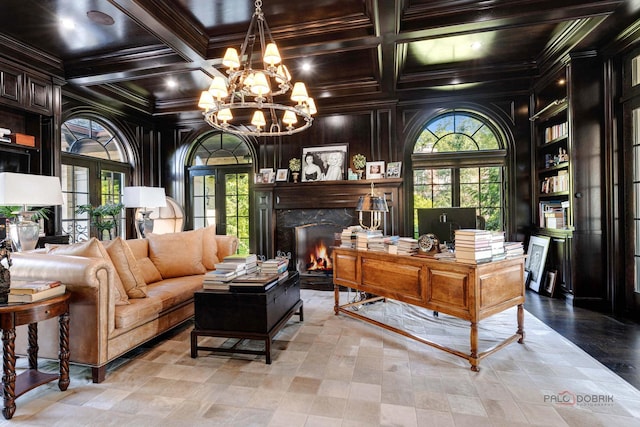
(337, 371)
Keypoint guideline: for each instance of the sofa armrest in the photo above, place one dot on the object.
(227, 245)
(92, 303)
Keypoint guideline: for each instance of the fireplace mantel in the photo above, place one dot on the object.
(270, 198)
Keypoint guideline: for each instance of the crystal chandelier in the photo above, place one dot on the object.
(252, 88)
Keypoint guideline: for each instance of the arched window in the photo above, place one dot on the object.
(95, 168)
(458, 160)
(219, 184)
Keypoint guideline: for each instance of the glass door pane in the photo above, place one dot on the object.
(204, 200)
(75, 189)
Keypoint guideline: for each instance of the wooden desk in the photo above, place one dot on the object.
(13, 315)
(467, 291)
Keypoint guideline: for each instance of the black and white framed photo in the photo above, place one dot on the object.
(374, 170)
(282, 175)
(536, 259)
(394, 169)
(324, 163)
(268, 175)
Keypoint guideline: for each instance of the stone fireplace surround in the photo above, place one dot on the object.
(280, 207)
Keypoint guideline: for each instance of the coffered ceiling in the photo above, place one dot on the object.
(127, 51)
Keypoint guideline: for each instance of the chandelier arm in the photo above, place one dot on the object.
(249, 35)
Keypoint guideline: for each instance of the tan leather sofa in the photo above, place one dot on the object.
(157, 276)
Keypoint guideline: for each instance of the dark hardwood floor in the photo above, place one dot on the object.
(613, 341)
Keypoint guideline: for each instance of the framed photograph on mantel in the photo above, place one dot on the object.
(375, 170)
(536, 259)
(324, 163)
(394, 169)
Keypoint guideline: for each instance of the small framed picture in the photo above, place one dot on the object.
(550, 282)
(375, 170)
(268, 175)
(394, 169)
(258, 178)
(282, 175)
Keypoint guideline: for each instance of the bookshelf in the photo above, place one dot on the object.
(552, 165)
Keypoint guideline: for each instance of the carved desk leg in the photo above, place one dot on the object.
(473, 357)
(9, 372)
(336, 297)
(520, 323)
(63, 381)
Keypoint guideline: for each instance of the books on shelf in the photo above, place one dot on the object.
(556, 131)
(37, 296)
(553, 214)
(33, 287)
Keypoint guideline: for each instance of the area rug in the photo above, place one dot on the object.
(338, 371)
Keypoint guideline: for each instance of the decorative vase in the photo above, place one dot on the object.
(295, 176)
(360, 172)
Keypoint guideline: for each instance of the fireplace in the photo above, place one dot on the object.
(309, 236)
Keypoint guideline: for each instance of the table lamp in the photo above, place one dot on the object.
(375, 205)
(146, 198)
(27, 190)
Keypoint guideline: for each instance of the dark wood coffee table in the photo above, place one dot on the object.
(13, 315)
(246, 315)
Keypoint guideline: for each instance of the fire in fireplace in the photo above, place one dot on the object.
(313, 248)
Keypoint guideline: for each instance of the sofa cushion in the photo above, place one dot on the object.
(92, 248)
(127, 267)
(209, 248)
(161, 296)
(149, 270)
(177, 254)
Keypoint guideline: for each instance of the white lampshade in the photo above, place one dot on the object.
(144, 197)
(231, 59)
(299, 93)
(225, 115)
(271, 54)
(289, 118)
(258, 119)
(311, 105)
(206, 100)
(218, 88)
(260, 85)
(29, 190)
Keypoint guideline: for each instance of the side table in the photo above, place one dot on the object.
(245, 315)
(13, 315)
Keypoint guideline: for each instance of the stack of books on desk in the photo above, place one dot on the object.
(35, 291)
(348, 236)
(497, 246)
(255, 282)
(376, 243)
(218, 280)
(391, 244)
(363, 237)
(473, 246)
(407, 246)
(513, 249)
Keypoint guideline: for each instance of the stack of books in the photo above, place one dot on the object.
(497, 246)
(363, 237)
(218, 280)
(513, 249)
(407, 246)
(35, 291)
(239, 264)
(255, 282)
(391, 244)
(348, 236)
(376, 243)
(473, 246)
(274, 266)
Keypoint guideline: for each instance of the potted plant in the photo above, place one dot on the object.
(359, 163)
(295, 164)
(105, 218)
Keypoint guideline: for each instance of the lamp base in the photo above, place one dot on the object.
(145, 224)
(24, 235)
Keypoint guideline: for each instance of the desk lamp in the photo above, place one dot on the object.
(375, 205)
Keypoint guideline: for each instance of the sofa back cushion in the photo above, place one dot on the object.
(139, 247)
(127, 268)
(93, 248)
(177, 254)
(209, 247)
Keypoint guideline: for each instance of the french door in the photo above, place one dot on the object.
(220, 197)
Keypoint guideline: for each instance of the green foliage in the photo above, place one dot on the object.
(295, 164)
(105, 218)
(13, 211)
